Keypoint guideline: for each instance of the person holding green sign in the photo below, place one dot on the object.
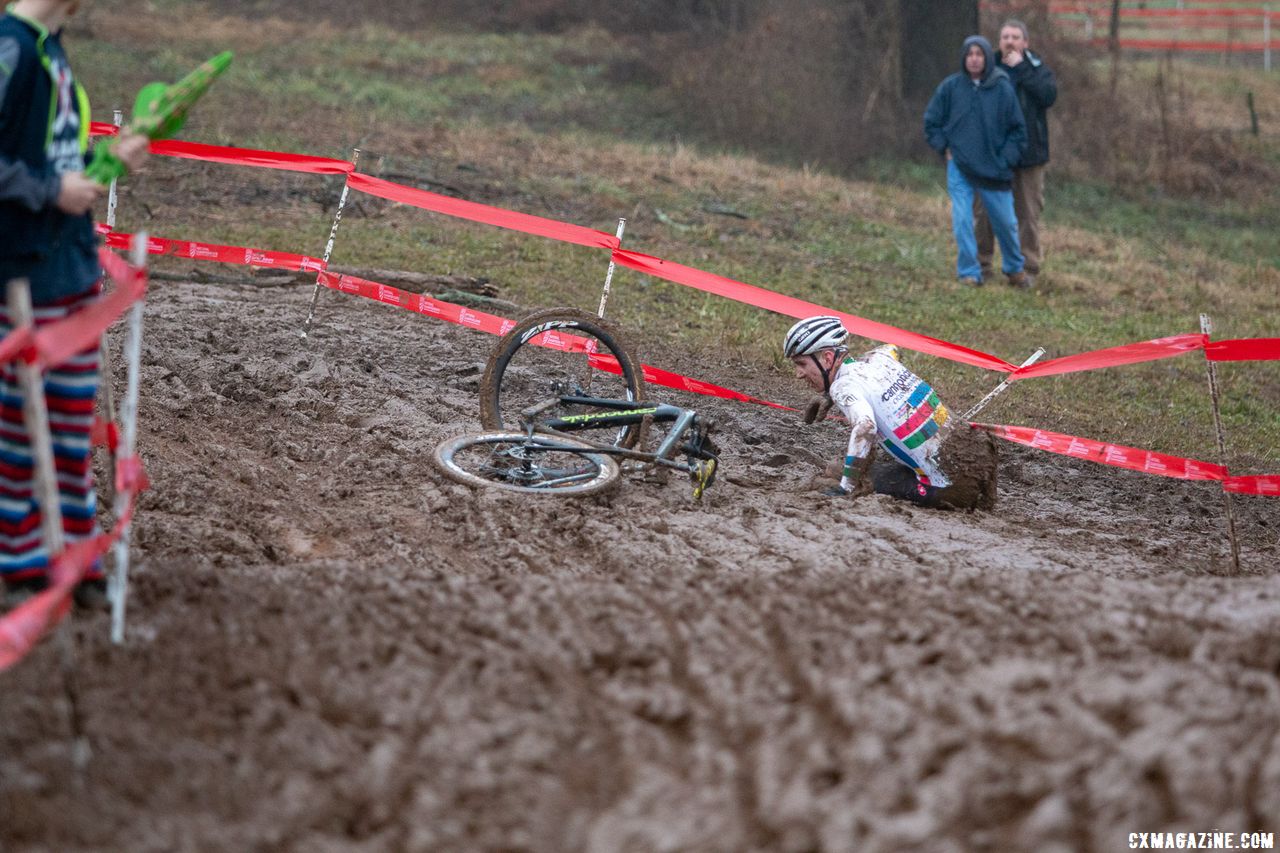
(47, 238)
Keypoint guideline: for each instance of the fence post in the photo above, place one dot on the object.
(119, 590)
(108, 390)
(117, 118)
(1206, 326)
(1266, 36)
(333, 235)
(35, 415)
(999, 389)
(608, 276)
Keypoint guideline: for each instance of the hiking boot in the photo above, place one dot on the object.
(970, 281)
(91, 595)
(1021, 280)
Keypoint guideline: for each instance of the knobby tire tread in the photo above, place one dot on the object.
(509, 344)
(446, 450)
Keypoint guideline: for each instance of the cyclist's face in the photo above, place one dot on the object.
(807, 371)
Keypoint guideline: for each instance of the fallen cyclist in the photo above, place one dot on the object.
(927, 460)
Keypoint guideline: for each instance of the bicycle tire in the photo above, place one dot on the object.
(600, 472)
(517, 367)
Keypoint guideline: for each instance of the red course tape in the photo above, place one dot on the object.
(1247, 349)
(211, 252)
(791, 307)
(1267, 484)
(22, 627)
(495, 325)
(252, 157)
(1243, 349)
(1114, 356)
(1115, 455)
(483, 213)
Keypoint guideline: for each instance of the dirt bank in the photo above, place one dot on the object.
(332, 647)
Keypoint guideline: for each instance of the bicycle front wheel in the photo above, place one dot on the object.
(543, 465)
(557, 352)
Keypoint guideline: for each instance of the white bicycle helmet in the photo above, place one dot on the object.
(813, 335)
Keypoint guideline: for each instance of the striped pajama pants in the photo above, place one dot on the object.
(69, 391)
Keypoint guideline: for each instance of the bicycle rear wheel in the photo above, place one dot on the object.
(516, 462)
(555, 352)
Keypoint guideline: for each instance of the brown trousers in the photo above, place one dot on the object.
(1028, 204)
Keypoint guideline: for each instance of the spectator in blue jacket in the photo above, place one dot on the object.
(973, 119)
(47, 238)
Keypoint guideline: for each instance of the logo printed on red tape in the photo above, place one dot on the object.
(696, 387)
(1042, 441)
(1154, 464)
(1076, 448)
(1115, 455)
(200, 252)
(1192, 471)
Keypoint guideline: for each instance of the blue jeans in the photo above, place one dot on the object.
(999, 205)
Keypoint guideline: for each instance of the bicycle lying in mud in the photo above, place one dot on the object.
(558, 376)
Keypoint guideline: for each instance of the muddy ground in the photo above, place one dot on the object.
(332, 647)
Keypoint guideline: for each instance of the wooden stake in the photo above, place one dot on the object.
(608, 276)
(1206, 326)
(333, 236)
(35, 415)
(119, 588)
(999, 389)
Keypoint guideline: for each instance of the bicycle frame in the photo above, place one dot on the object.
(626, 413)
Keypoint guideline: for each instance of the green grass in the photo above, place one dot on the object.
(532, 123)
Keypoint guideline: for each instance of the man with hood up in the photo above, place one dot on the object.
(973, 119)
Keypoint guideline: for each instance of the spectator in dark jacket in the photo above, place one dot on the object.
(973, 119)
(1037, 90)
(46, 237)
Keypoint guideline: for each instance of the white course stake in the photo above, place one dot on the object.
(118, 118)
(35, 415)
(333, 236)
(108, 391)
(1206, 326)
(999, 389)
(128, 441)
(608, 276)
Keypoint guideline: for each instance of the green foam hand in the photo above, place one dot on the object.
(158, 113)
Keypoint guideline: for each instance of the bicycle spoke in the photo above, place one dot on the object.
(554, 353)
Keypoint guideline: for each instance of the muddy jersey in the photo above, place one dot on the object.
(889, 404)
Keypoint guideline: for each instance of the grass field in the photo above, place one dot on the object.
(535, 124)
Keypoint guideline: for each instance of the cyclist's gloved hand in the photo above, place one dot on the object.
(835, 492)
(817, 408)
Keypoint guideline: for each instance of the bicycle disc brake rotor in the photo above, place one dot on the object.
(534, 466)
